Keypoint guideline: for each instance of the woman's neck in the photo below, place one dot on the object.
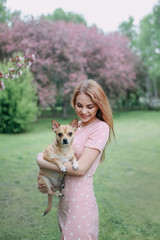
(84, 124)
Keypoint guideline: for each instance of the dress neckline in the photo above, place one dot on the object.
(95, 121)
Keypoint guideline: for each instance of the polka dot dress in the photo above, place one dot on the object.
(77, 211)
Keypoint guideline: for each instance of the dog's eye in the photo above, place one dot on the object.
(70, 134)
(60, 134)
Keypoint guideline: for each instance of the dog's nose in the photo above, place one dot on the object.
(65, 141)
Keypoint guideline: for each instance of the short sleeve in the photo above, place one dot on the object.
(98, 136)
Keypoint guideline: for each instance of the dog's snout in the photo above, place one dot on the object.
(65, 141)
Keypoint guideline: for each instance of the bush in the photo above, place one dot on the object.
(18, 106)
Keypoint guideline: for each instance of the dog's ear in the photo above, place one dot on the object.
(55, 125)
(74, 124)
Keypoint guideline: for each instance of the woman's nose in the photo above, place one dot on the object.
(84, 110)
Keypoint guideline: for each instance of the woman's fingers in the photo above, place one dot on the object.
(42, 188)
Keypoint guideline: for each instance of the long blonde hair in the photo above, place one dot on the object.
(96, 93)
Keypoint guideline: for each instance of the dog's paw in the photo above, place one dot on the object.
(75, 165)
(62, 186)
(63, 169)
(60, 195)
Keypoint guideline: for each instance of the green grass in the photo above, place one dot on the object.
(127, 184)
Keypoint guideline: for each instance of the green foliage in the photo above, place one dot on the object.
(126, 184)
(128, 29)
(129, 101)
(4, 13)
(17, 103)
(59, 14)
(149, 43)
(146, 42)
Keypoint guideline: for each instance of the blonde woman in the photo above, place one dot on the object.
(78, 212)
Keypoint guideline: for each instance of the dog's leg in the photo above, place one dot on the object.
(48, 209)
(43, 184)
(45, 181)
(60, 165)
(74, 163)
(52, 193)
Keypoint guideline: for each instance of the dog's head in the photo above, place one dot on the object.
(64, 133)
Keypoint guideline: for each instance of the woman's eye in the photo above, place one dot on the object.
(90, 107)
(70, 134)
(60, 134)
(79, 105)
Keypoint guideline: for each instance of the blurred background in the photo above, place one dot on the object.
(122, 55)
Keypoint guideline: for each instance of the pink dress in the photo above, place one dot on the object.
(77, 211)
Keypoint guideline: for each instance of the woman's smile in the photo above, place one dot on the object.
(84, 116)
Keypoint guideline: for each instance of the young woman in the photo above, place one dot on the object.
(78, 212)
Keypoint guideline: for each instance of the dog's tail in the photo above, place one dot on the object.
(49, 205)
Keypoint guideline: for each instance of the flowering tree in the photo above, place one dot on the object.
(67, 53)
(19, 64)
(109, 60)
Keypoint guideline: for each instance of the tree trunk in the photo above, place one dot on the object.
(64, 109)
(155, 88)
(148, 87)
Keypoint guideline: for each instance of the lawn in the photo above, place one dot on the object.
(127, 183)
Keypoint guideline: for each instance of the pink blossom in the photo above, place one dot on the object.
(16, 71)
(1, 74)
(11, 69)
(2, 86)
(6, 75)
(19, 64)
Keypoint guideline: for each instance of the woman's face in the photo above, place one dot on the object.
(85, 108)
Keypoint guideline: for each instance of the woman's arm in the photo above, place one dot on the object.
(87, 158)
(45, 164)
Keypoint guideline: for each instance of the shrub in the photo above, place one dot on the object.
(18, 106)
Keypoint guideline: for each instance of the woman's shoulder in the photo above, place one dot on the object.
(99, 127)
(101, 124)
(98, 135)
(96, 126)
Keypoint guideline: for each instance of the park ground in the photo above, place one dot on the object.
(126, 184)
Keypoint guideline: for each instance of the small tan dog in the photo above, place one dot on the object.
(58, 152)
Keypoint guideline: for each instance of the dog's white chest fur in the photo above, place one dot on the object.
(63, 160)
